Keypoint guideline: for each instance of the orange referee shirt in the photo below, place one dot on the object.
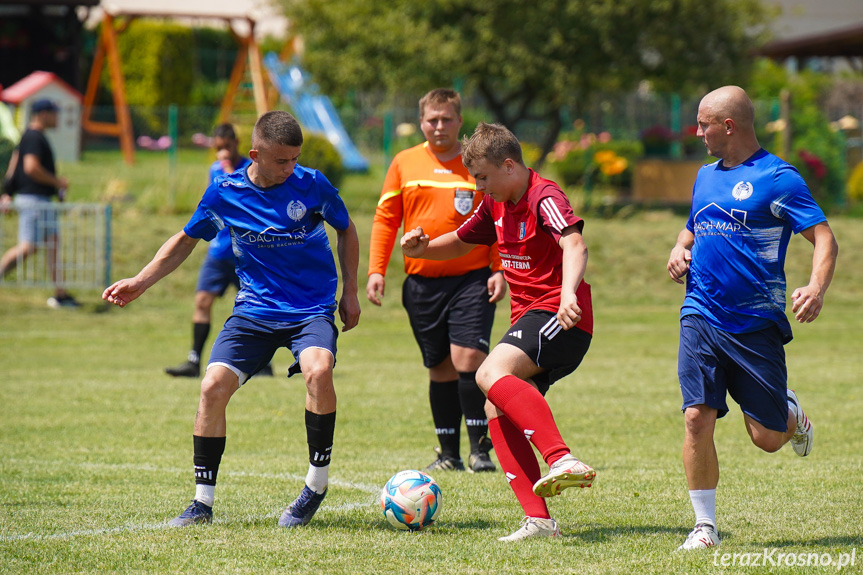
(436, 196)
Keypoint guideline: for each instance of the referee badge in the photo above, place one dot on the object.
(463, 201)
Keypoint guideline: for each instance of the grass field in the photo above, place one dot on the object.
(95, 441)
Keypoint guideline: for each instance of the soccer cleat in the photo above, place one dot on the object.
(445, 463)
(565, 472)
(804, 436)
(480, 461)
(301, 511)
(197, 512)
(56, 302)
(185, 369)
(703, 536)
(534, 527)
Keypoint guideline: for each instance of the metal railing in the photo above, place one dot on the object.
(79, 255)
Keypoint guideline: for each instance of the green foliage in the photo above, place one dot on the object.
(158, 70)
(6, 148)
(320, 154)
(526, 68)
(817, 151)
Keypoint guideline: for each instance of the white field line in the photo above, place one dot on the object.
(369, 489)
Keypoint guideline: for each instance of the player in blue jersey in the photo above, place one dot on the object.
(217, 271)
(733, 325)
(275, 210)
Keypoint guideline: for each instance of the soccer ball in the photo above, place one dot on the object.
(411, 500)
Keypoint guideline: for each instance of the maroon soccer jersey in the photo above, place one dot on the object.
(527, 234)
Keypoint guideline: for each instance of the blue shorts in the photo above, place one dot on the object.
(37, 218)
(246, 345)
(216, 275)
(749, 366)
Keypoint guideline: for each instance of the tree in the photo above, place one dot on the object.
(528, 61)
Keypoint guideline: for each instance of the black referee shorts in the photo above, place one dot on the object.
(449, 310)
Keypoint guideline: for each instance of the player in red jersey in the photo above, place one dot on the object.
(544, 258)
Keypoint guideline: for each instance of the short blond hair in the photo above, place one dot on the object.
(493, 143)
(439, 97)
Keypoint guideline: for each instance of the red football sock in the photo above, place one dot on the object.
(519, 464)
(527, 409)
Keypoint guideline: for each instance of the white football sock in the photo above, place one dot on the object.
(704, 505)
(318, 478)
(206, 494)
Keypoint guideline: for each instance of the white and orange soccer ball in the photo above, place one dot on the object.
(411, 500)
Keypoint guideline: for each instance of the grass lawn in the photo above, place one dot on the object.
(95, 441)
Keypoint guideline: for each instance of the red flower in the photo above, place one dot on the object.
(813, 163)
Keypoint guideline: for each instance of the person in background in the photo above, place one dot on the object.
(33, 178)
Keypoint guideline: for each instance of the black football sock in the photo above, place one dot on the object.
(473, 405)
(200, 333)
(320, 429)
(446, 413)
(208, 456)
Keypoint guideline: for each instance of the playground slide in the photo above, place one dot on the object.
(314, 111)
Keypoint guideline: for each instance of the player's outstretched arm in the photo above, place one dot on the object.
(573, 265)
(349, 260)
(807, 301)
(167, 259)
(417, 244)
(681, 255)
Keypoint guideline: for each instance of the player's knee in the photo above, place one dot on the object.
(771, 442)
(486, 375)
(215, 390)
(698, 420)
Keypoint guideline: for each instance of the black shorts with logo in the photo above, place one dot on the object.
(559, 352)
(449, 310)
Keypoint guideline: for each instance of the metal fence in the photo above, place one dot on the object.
(79, 255)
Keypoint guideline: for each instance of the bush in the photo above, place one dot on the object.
(158, 64)
(320, 154)
(6, 148)
(595, 160)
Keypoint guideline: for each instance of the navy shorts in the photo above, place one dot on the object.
(246, 345)
(556, 350)
(449, 310)
(748, 366)
(216, 275)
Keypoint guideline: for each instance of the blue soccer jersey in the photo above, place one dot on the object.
(220, 246)
(284, 261)
(742, 219)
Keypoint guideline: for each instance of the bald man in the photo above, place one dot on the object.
(733, 326)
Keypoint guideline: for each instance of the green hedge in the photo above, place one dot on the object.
(320, 154)
(158, 70)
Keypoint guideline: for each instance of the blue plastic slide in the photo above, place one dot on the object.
(315, 112)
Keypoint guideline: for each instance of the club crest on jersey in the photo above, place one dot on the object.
(742, 190)
(463, 201)
(296, 210)
(521, 230)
